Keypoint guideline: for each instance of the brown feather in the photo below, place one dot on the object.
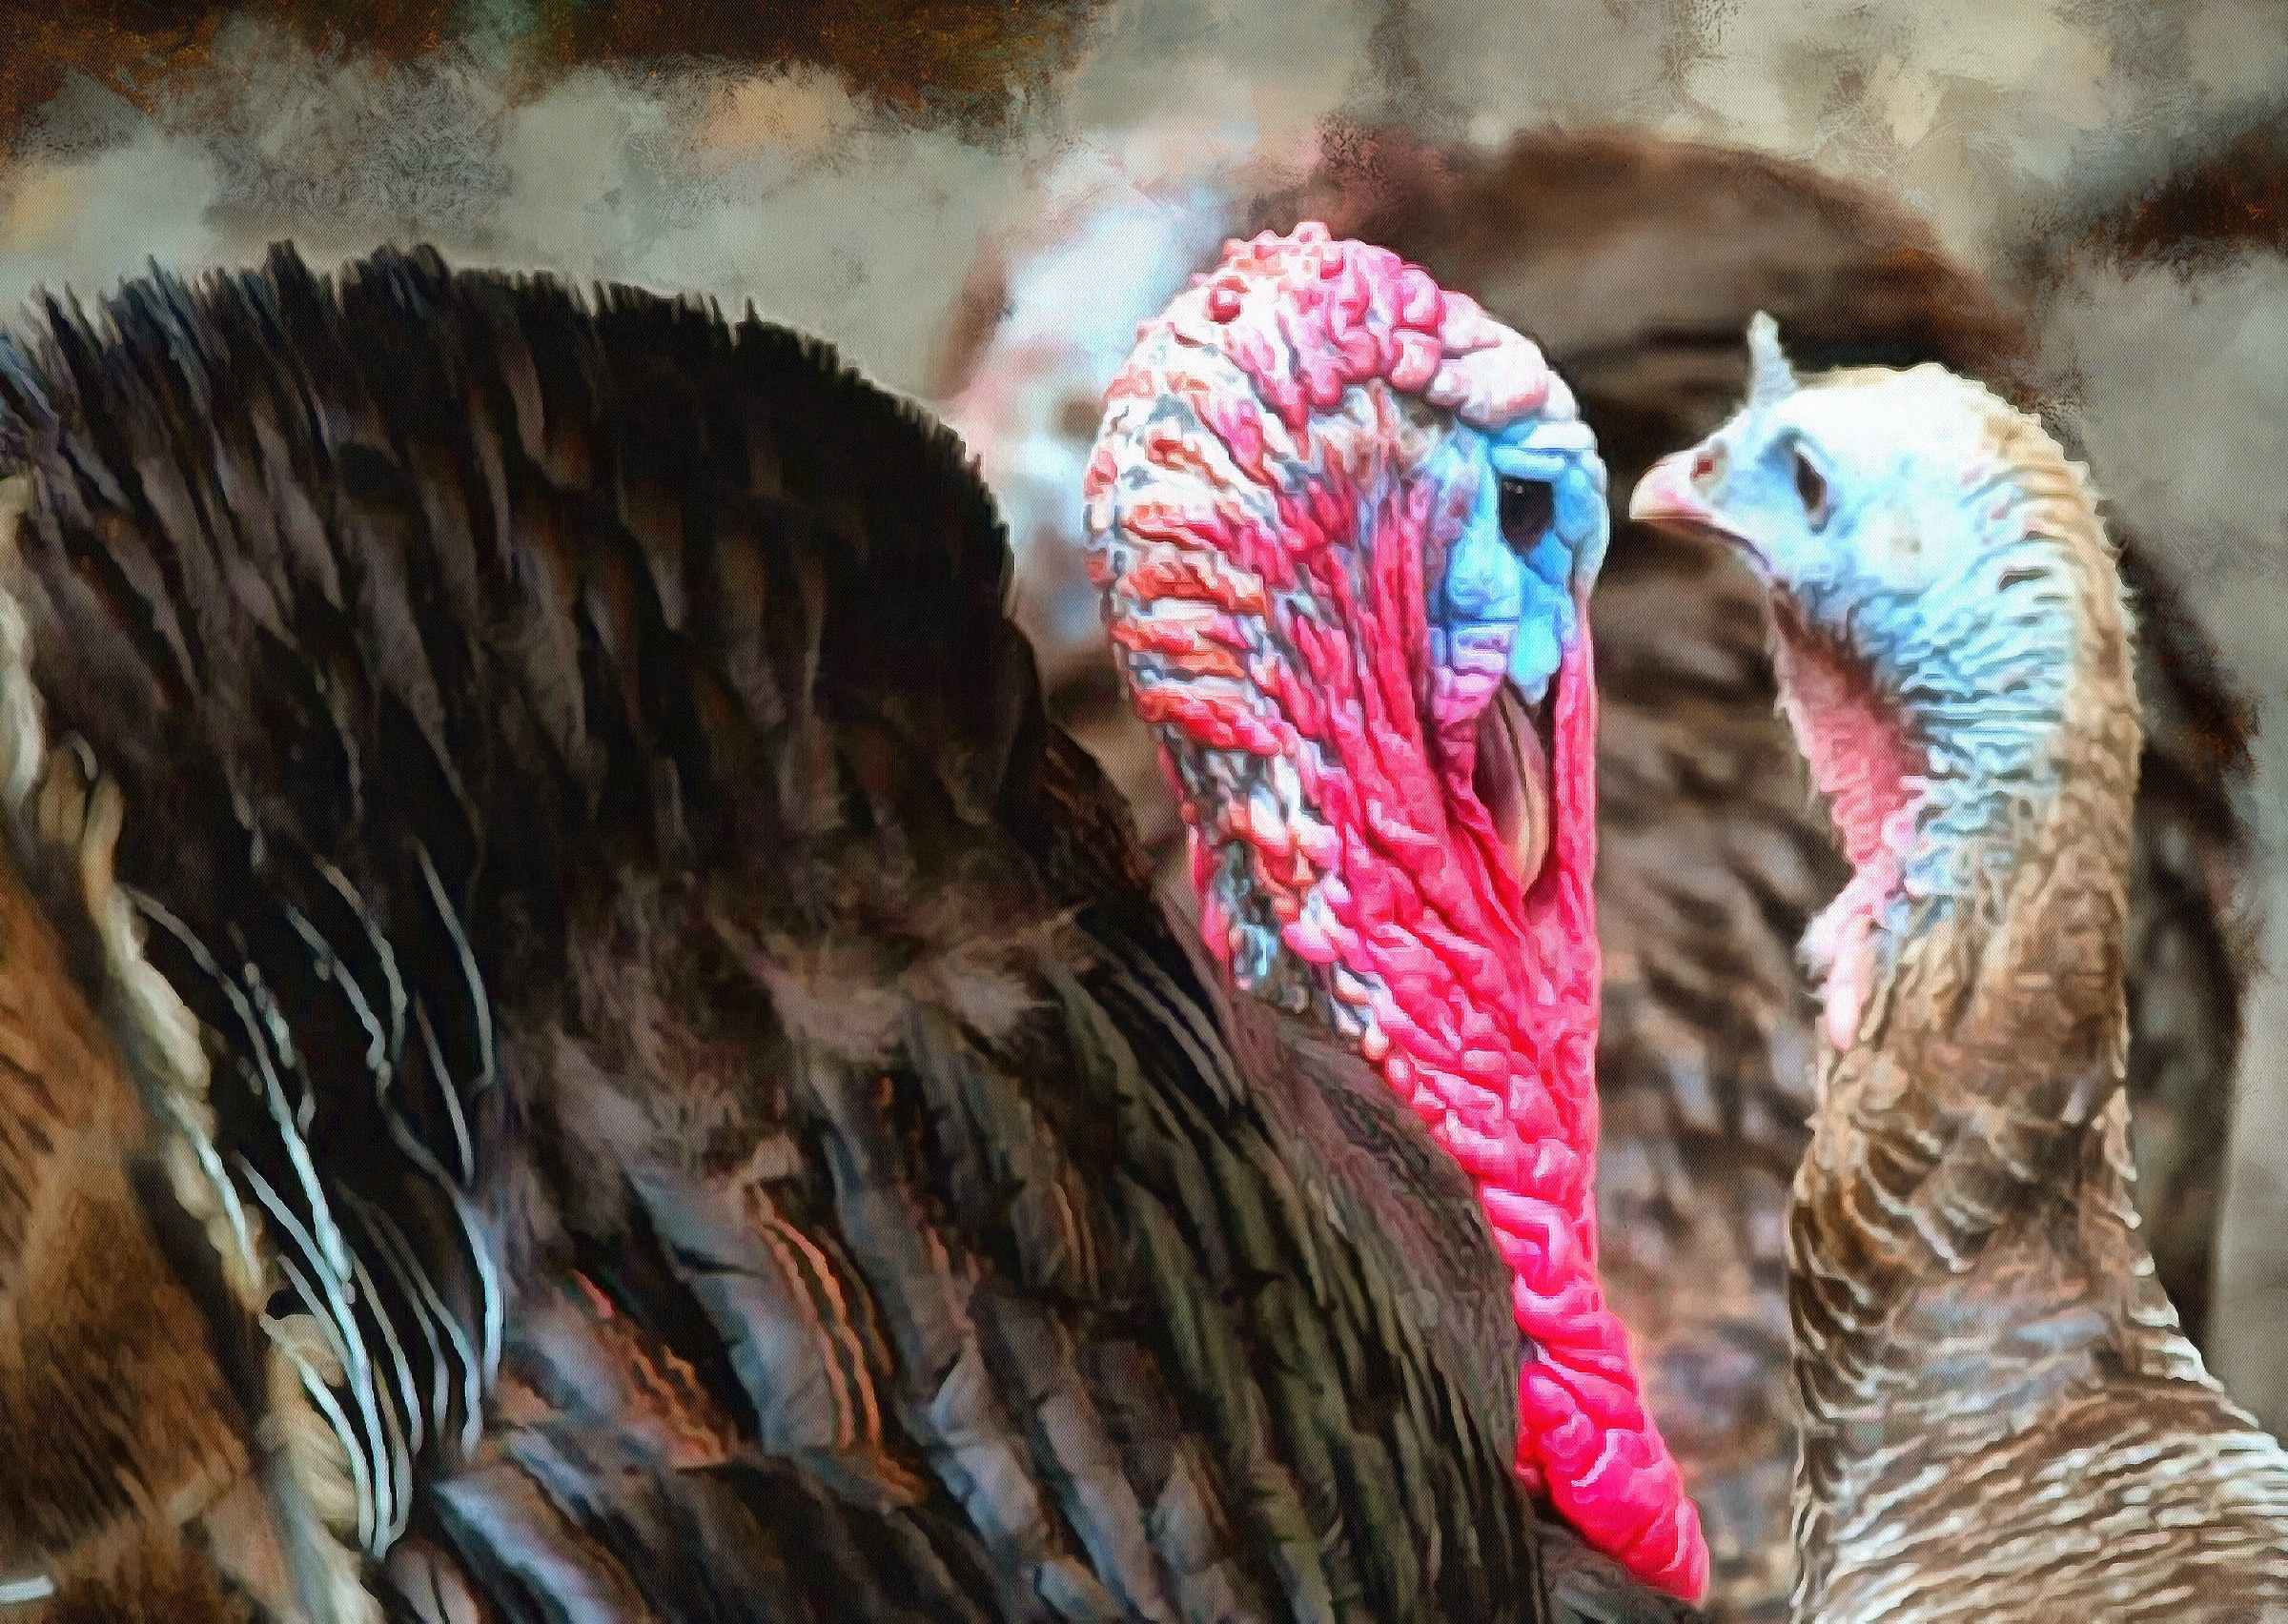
(1999, 1402)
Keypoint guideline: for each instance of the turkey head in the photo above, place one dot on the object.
(1345, 525)
(1930, 632)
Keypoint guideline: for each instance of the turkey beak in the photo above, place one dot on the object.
(1668, 497)
(1512, 778)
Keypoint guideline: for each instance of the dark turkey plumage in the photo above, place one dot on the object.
(738, 1134)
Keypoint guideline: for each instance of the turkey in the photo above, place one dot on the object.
(573, 1016)
(1999, 1406)
(1636, 262)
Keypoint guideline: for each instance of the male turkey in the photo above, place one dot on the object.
(1635, 262)
(2001, 1415)
(666, 1090)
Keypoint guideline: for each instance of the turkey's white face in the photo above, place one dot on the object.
(1889, 512)
(1848, 493)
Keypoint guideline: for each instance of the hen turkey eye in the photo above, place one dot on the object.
(1527, 506)
(1811, 489)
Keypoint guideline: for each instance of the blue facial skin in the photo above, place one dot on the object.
(1963, 621)
(1509, 601)
(1965, 617)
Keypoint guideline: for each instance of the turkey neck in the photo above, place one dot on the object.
(1963, 1246)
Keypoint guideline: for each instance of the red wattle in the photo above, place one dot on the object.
(1338, 760)
(1585, 1437)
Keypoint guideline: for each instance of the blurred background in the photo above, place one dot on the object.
(2084, 200)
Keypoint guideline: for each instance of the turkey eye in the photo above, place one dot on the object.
(1811, 491)
(1527, 507)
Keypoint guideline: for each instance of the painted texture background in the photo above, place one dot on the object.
(2122, 166)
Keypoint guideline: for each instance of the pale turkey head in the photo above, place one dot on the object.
(1920, 526)
(1345, 525)
(1951, 643)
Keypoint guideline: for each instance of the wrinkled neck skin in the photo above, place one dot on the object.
(1963, 1250)
(1346, 870)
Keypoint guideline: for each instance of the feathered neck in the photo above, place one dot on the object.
(1981, 773)
(1969, 1178)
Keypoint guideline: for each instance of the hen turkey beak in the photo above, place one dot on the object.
(1668, 497)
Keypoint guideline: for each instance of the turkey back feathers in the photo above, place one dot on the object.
(717, 1123)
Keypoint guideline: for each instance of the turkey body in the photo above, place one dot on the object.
(687, 1069)
(1635, 263)
(2026, 1433)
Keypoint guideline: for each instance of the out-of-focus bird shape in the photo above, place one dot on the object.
(578, 1047)
(2001, 1413)
(1635, 262)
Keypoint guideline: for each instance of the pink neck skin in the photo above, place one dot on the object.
(1486, 1010)
(1279, 625)
(1868, 774)
(1479, 997)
